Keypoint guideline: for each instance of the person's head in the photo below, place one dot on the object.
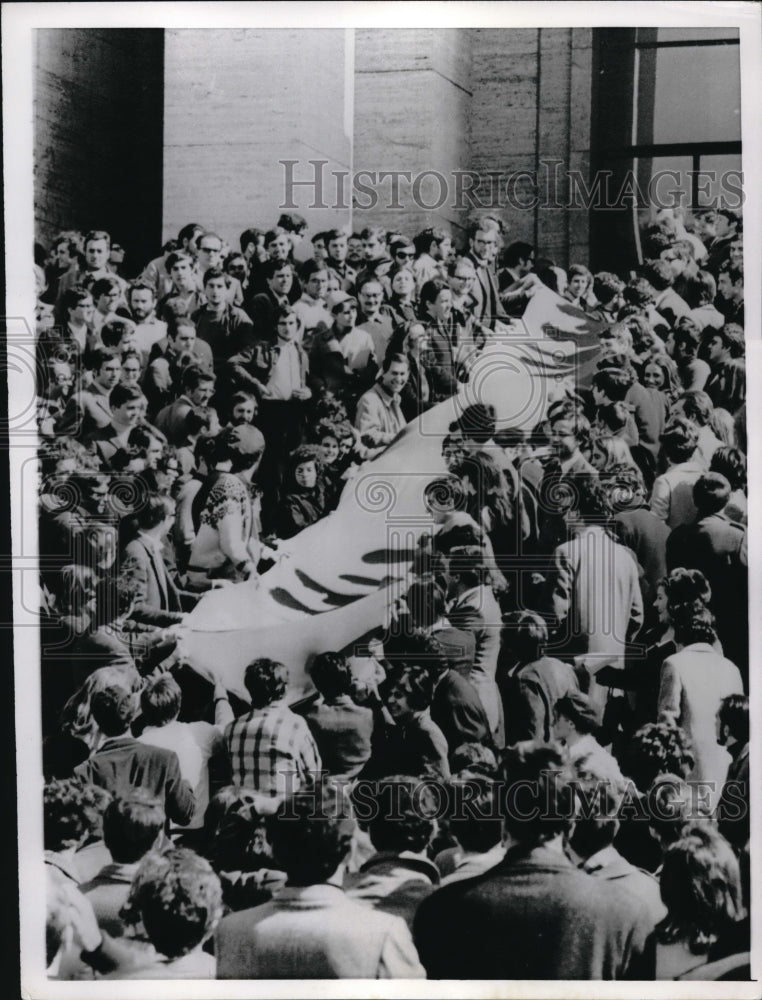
(126, 402)
(243, 407)
(402, 282)
(711, 493)
(607, 451)
(687, 340)
(730, 463)
(113, 710)
(118, 334)
(639, 292)
(131, 824)
(569, 431)
(686, 587)
(106, 367)
(97, 248)
(100, 545)
(735, 253)
(402, 814)
(303, 467)
(182, 335)
(525, 635)
(575, 715)
(107, 293)
(442, 496)
(608, 288)
(655, 374)
(280, 275)
(731, 336)
(425, 602)
(483, 241)
(461, 275)
(209, 252)
(700, 885)
(187, 238)
(251, 242)
(278, 244)
(78, 306)
(215, 286)
(161, 700)
(373, 243)
(436, 300)
(410, 692)
(68, 807)
(538, 802)
(198, 385)
(474, 812)
(595, 828)
(696, 406)
(76, 589)
(336, 245)
(471, 759)
(331, 674)
(693, 625)
(177, 897)
(395, 372)
(370, 295)
(658, 748)
(65, 249)
(237, 267)
(580, 279)
(266, 682)
(519, 257)
(287, 324)
(611, 385)
(733, 720)
(466, 569)
(131, 368)
(179, 266)
(658, 274)
(294, 224)
(476, 424)
(679, 440)
(625, 487)
(454, 450)
(433, 241)
(343, 308)
(311, 835)
(141, 299)
(416, 339)
(730, 284)
(314, 277)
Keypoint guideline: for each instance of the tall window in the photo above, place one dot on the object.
(667, 104)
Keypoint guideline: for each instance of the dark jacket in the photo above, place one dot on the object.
(534, 916)
(342, 731)
(123, 764)
(457, 709)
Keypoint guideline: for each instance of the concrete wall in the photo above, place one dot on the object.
(238, 102)
(97, 142)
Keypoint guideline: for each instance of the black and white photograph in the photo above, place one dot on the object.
(384, 568)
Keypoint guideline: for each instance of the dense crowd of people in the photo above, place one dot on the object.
(542, 769)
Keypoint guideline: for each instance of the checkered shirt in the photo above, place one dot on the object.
(272, 751)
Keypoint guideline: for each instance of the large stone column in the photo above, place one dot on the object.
(237, 102)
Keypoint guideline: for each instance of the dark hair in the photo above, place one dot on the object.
(679, 439)
(734, 713)
(732, 336)
(394, 359)
(160, 700)
(701, 887)
(591, 498)
(538, 795)
(711, 493)
(211, 273)
(113, 710)
(566, 708)
(105, 285)
(312, 267)
(311, 834)
(271, 267)
(478, 422)
(658, 273)
(445, 493)
(730, 463)
(525, 634)
(266, 681)
(122, 394)
(418, 685)
(639, 292)
(177, 257)
(194, 375)
(686, 587)
(516, 252)
(331, 674)
(693, 625)
(670, 806)
(615, 382)
(431, 291)
(68, 807)
(402, 815)
(475, 818)
(154, 510)
(178, 898)
(131, 824)
(250, 236)
(426, 602)
(606, 286)
(99, 357)
(96, 234)
(189, 231)
(697, 406)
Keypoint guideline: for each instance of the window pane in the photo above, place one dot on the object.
(665, 180)
(697, 95)
(723, 184)
(693, 34)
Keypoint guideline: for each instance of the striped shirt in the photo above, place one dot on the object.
(272, 750)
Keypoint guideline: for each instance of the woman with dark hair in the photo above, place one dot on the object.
(701, 888)
(303, 502)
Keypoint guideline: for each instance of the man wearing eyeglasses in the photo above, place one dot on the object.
(209, 248)
(482, 248)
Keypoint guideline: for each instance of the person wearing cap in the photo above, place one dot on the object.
(576, 723)
(343, 358)
(227, 546)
